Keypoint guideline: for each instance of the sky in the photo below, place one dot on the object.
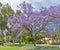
(36, 3)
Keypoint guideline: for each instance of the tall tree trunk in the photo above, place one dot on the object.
(33, 39)
(2, 38)
(19, 40)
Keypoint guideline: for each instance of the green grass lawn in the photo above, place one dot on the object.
(27, 47)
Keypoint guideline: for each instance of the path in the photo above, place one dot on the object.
(48, 45)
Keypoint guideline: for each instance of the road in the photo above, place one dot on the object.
(47, 45)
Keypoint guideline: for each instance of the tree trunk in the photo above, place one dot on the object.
(13, 41)
(2, 38)
(33, 39)
(3, 43)
(19, 42)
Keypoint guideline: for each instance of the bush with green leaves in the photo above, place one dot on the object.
(27, 39)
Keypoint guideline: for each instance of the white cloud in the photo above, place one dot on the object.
(13, 3)
(37, 0)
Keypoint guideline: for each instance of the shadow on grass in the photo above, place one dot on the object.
(17, 45)
(43, 48)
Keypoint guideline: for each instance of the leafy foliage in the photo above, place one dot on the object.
(34, 21)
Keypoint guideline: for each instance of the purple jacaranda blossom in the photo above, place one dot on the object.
(36, 20)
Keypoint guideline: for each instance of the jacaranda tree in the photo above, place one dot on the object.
(33, 21)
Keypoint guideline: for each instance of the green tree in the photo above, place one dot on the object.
(18, 12)
(5, 12)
